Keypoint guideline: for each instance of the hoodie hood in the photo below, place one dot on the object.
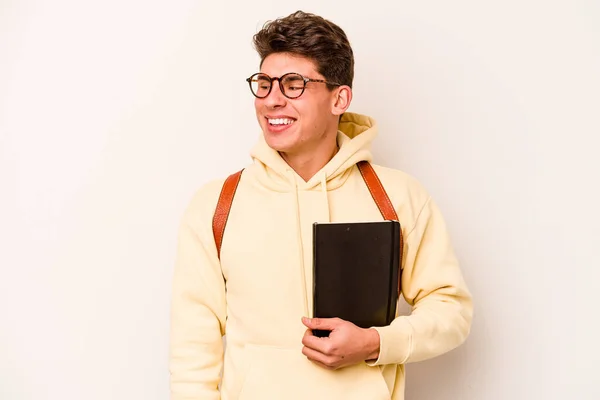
(354, 137)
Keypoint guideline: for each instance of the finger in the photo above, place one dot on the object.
(316, 343)
(319, 358)
(308, 334)
(327, 324)
(330, 368)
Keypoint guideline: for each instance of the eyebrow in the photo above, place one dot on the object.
(295, 78)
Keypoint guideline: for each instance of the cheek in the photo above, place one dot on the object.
(316, 113)
(307, 110)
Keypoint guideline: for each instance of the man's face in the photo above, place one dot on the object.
(301, 125)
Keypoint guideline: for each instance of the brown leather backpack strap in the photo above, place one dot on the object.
(223, 208)
(382, 200)
(377, 191)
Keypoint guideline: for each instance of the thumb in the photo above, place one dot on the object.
(327, 324)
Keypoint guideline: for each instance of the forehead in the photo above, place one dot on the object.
(278, 64)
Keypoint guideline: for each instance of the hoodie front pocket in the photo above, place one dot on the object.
(284, 373)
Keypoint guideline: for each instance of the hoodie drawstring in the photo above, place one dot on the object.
(325, 196)
(300, 244)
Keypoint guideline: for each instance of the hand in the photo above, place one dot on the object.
(346, 345)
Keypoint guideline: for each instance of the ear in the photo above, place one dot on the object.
(341, 100)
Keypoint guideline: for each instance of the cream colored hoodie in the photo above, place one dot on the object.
(258, 293)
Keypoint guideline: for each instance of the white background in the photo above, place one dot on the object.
(113, 113)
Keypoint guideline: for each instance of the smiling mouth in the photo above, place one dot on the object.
(280, 121)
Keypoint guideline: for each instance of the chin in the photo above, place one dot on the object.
(284, 142)
(278, 143)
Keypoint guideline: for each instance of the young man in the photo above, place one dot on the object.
(257, 289)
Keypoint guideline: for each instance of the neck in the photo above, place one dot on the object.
(308, 163)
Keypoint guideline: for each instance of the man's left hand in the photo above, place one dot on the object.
(346, 345)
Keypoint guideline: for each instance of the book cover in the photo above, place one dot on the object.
(355, 271)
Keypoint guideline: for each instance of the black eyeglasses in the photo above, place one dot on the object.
(292, 85)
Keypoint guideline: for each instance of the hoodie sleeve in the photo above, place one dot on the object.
(198, 311)
(433, 285)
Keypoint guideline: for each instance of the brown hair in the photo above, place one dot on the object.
(313, 37)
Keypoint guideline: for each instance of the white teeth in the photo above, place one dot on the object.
(280, 121)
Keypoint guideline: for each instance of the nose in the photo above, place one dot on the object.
(275, 98)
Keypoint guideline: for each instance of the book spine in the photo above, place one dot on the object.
(394, 272)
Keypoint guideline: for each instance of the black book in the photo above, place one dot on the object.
(355, 272)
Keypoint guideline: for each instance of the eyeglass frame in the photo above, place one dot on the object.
(281, 89)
